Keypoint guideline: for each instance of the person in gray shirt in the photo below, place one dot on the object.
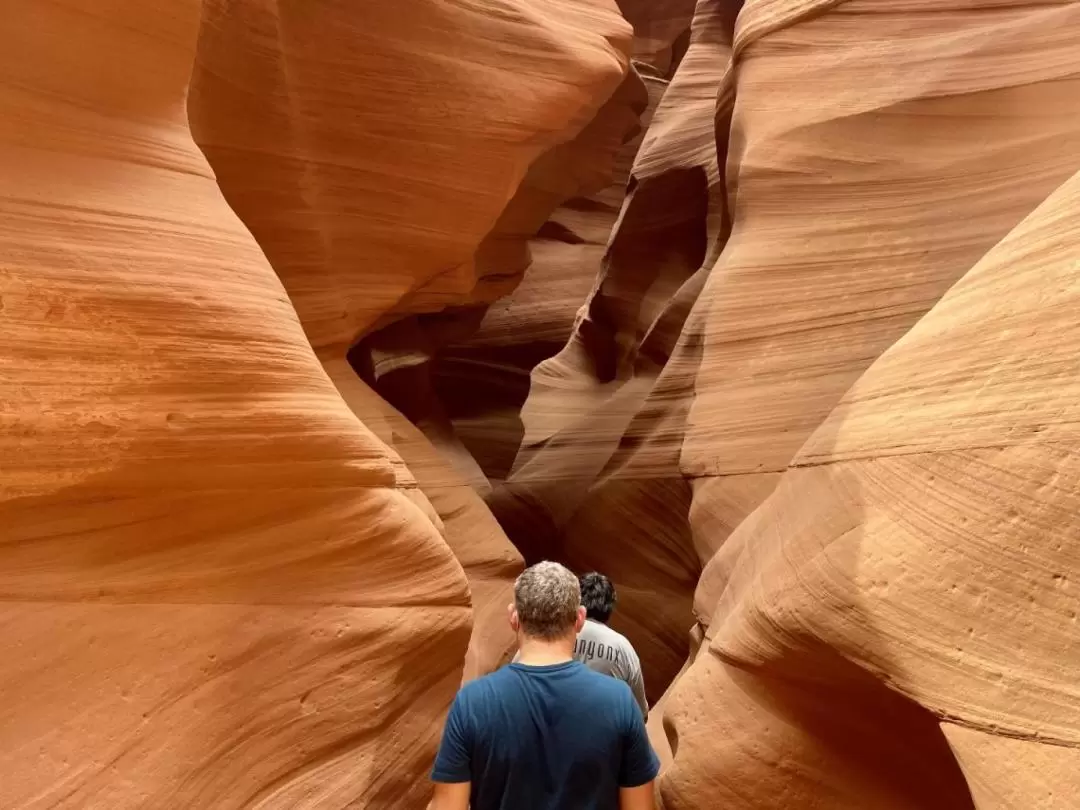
(599, 647)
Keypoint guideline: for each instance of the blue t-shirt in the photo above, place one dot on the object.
(558, 737)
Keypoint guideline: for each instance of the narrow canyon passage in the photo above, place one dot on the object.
(321, 320)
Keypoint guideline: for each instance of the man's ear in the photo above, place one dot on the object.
(580, 621)
(513, 618)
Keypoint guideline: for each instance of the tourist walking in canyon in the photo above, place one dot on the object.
(599, 647)
(545, 732)
(602, 649)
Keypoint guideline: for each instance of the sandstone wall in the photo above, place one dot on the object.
(349, 138)
(596, 481)
(862, 176)
(214, 592)
(913, 570)
(378, 160)
(888, 163)
(772, 326)
(222, 588)
(895, 160)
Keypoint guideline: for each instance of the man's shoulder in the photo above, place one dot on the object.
(481, 687)
(623, 640)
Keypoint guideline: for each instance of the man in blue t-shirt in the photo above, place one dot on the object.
(545, 733)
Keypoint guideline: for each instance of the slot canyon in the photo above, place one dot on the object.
(319, 320)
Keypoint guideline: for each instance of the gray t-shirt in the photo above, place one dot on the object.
(603, 650)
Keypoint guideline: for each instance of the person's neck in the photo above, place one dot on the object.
(538, 652)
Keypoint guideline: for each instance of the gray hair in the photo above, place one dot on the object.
(547, 596)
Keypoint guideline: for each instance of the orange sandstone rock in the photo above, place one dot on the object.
(214, 593)
(370, 148)
(918, 553)
(597, 480)
(390, 160)
(885, 167)
(469, 528)
(557, 226)
(859, 197)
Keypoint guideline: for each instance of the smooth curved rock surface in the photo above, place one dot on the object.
(378, 162)
(806, 389)
(357, 189)
(482, 379)
(910, 183)
(1004, 773)
(660, 31)
(213, 592)
(406, 361)
(922, 542)
(491, 564)
(556, 226)
(596, 481)
(868, 173)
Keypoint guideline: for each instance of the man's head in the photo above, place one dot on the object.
(547, 603)
(598, 597)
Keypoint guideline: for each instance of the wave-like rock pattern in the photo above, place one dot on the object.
(556, 227)
(483, 378)
(660, 32)
(220, 587)
(214, 595)
(597, 480)
(886, 166)
(804, 389)
(376, 154)
(349, 138)
(909, 183)
(916, 563)
(842, 189)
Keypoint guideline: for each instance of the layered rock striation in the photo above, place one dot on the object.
(221, 587)
(409, 189)
(320, 320)
(214, 587)
(913, 571)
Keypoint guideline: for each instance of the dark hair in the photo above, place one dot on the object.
(598, 596)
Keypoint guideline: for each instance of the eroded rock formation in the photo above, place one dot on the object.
(373, 209)
(920, 546)
(597, 480)
(221, 588)
(772, 325)
(348, 140)
(213, 586)
(799, 305)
